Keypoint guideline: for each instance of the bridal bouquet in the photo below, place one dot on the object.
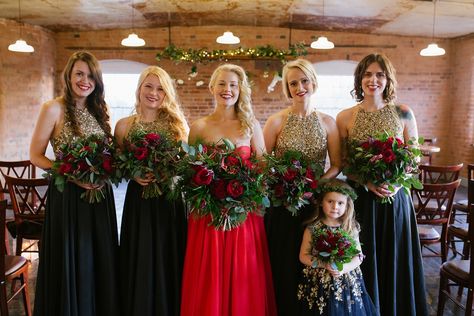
(144, 154)
(385, 159)
(334, 246)
(223, 182)
(88, 160)
(293, 181)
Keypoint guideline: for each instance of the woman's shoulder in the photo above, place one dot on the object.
(278, 118)
(404, 111)
(53, 107)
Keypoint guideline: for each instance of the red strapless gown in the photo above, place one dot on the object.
(227, 273)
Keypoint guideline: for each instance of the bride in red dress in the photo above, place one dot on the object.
(228, 272)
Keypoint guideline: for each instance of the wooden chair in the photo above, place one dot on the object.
(459, 272)
(18, 169)
(427, 155)
(433, 209)
(439, 174)
(12, 268)
(460, 230)
(29, 205)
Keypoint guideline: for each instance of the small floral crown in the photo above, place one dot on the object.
(338, 186)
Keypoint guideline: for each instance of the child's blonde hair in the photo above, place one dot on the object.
(348, 221)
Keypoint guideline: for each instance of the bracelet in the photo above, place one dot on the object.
(314, 264)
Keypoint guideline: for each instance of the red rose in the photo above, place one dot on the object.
(388, 156)
(235, 188)
(152, 137)
(141, 153)
(309, 174)
(279, 190)
(82, 165)
(248, 164)
(203, 176)
(290, 175)
(365, 145)
(231, 161)
(313, 184)
(107, 164)
(218, 189)
(399, 141)
(65, 168)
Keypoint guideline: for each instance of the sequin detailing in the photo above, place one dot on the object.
(368, 124)
(157, 126)
(304, 134)
(87, 124)
(319, 286)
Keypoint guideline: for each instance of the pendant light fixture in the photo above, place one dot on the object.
(433, 49)
(322, 42)
(133, 40)
(228, 37)
(20, 45)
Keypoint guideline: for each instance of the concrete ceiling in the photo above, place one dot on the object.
(401, 17)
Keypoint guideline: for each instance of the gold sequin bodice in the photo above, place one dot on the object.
(368, 124)
(158, 126)
(87, 124)
(304, 134)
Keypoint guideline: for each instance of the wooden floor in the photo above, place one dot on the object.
(431, 267)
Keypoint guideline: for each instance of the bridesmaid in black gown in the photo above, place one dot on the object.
(153, 234)
(77, 271)
(302, 128)
(392, 269)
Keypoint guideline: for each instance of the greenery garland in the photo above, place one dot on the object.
(202, 55)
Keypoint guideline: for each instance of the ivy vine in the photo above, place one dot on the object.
(203, 55)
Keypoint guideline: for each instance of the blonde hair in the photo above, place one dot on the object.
(243, 106)
(306, 67)
(170, 108)
(348, 221)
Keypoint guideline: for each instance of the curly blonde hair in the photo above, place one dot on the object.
(243, 106)
(170, 108)
(306, 67)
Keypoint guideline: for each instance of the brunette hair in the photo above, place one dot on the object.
(389, 94)
(95, 102)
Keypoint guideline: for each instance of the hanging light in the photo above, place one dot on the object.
(228, 38)
(322, 42)
(20, 45)
(433, 49)
(132, 40)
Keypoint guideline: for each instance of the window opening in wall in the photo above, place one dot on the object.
(120, 82)
(335, 82)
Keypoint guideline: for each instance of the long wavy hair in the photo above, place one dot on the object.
(95, 102)
(348, 221)
(306, 67)
(243, 106)
(389, 94)
(170, 108)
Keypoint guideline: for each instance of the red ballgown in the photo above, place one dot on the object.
(227, 272)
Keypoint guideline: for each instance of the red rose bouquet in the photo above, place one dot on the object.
(89, 160)
(385, 159)
(293, 181)
(334, 246)
(146, 153)
(222, 181)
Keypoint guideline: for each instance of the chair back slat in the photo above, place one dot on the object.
(28, 197)
(439, 174)
(17, 169)
(435, 201)
(3, 209)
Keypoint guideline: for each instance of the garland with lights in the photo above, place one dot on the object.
(202, 55)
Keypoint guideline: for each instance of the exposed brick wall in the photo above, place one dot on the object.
(426, 84)
(26, 81)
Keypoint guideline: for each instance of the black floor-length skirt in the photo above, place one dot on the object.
(284, 234)
(393, 266)
(152, 246)
(77, 272)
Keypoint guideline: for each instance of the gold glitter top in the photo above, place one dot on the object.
(304, 134)
(368, 124)
(157, 126)
(87, 124)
